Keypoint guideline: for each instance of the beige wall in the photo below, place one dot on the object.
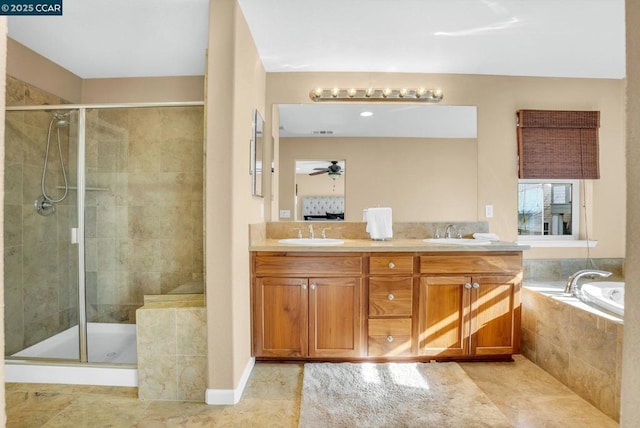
(143, 89)
(3, 66)
(235, 87)
(497, 99)
(34, 69)
(421, 179)
(630, 411)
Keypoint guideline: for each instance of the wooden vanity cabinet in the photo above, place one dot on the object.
(469, 305)
(308, 306)
(344, 305)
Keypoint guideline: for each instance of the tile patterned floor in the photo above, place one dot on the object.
(527, 395)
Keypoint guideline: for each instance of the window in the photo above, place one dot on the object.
(548, 209)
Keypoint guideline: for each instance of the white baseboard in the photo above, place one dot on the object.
(220, 397)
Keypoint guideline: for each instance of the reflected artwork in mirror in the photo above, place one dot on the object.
(257, 151)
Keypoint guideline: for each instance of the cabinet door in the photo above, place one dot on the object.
(335, 317)
(495, 315)
(443, 323)
(281, 317)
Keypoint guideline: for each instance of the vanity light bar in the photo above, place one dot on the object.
(373, 94)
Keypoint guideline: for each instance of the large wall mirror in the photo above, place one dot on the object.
(257, 154)
(421, 160)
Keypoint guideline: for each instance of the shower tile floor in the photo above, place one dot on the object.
(527, 395)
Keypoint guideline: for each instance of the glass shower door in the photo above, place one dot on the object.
(41, 261)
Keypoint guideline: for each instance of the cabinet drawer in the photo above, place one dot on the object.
(392, 264)
(389, 337)
(390, 296)
(308, 266)
(471, 263)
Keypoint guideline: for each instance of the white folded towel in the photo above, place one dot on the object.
(486, 236)
(379, 222)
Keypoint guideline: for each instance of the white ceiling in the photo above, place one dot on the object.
(120, 38)
(127, 38)
(572, 38)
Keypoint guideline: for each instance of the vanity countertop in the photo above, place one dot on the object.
(392, 245)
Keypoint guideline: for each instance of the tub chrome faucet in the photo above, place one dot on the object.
(311, 234)
(572, 282)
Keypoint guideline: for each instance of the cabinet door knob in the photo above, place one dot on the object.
(392, 265)
(467, 286)
(476, 285)
(313, 286)
(389, 339)
(391, 296)
(304, 286)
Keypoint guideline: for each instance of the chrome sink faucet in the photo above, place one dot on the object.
(311, 234)
(572, 283)
(447, 232)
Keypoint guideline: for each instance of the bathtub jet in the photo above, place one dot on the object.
(608, 295)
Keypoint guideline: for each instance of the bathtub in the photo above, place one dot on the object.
(608, 295)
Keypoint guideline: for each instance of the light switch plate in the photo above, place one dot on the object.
(285, 214)
(488, 211)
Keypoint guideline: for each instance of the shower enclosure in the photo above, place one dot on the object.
(103, 205)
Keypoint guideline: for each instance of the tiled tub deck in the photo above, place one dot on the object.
(577, 344)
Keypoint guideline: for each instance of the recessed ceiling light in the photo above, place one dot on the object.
(366, 114)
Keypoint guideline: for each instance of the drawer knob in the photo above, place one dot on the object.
(391, 296)
(476, 285)
(392, 265)
(389, 339)
(467, 286)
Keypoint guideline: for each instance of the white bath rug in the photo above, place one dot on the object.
(394, 395)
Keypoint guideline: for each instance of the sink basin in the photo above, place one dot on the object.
(456, 241)
(309, 241)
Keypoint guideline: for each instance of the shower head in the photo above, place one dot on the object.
(61, 118)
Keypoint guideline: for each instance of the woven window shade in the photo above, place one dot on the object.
(556, 144)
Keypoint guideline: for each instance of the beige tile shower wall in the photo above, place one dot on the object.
(172, 353)
(144, 222)
(40, 285)
(580, 349)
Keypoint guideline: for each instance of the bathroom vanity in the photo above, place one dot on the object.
(395, 300)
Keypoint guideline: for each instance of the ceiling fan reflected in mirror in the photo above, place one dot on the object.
(334, 170)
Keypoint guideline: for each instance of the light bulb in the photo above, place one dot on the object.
(351, 92)
(437, 93)
(420, 92)
(386, 92)
(368, 93)
(402, 92)
(317, 92)
(335, 92)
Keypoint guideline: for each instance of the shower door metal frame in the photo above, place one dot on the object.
(81, 187)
